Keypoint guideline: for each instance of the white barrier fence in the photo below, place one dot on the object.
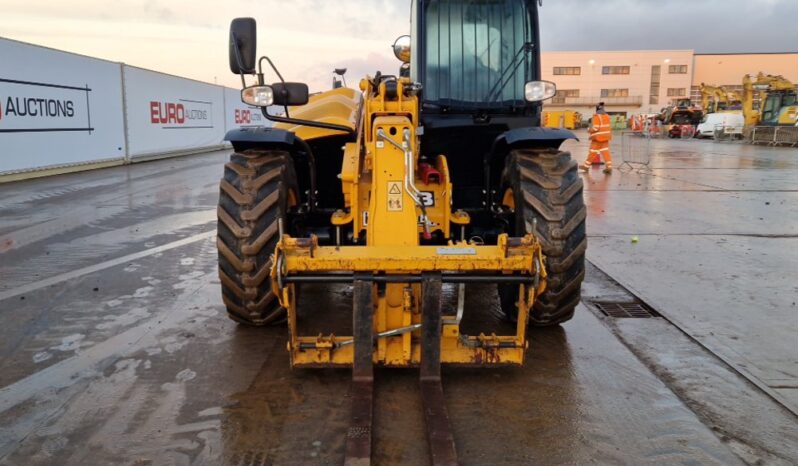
(775, 135)
(59, 109)
(170, 114)
(635, 150)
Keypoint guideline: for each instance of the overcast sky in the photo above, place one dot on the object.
(308, 38)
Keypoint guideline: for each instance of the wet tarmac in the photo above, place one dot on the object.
(718, 246)
(115, 349)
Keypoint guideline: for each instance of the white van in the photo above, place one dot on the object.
(730, 123)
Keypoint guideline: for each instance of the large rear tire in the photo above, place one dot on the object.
(544, 189)
(257, 189)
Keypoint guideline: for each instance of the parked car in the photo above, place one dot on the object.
(727, 123)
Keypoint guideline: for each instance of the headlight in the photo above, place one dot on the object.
(537, 91)
(401, 48)
(258, 96)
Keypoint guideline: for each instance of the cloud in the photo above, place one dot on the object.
(308, 38)
(305, 38)
(704, 26)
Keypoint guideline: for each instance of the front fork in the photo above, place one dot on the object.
(436, 416)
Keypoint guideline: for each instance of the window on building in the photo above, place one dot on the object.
(615, 93)
(677, 69)
(655, 74)
(653, 98)
(614, 70)
(567, 70)
(677, 92)
(654, 90)
(568, 92)
(561, 95)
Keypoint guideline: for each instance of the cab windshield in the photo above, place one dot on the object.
(773, 105)
(479, 53)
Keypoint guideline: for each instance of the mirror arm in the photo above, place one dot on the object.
(260, 77)
(260, 67)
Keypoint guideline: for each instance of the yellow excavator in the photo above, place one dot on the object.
(735, 99)
(778, 104)
(437, 176)
(718, 98)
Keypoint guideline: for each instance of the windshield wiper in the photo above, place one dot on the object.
(508, 72)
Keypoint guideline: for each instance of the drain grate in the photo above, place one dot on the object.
(625, 310)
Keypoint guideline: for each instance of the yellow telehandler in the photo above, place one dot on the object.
(440, 174)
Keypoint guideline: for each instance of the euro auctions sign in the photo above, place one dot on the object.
(166, 113)
(33, 107)
(247, 116)
(240, 115)
(57, 108)
(182, 114)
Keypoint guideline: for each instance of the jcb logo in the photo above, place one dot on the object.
(243, 117)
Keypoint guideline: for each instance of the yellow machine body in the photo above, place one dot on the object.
(340, 106)
(788, 116)
(765, 85)
(378, 179)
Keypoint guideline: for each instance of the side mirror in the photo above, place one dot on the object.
(290, 93)
(243, 44)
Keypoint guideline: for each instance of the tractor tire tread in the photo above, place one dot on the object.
(253, 195)
(551, 198)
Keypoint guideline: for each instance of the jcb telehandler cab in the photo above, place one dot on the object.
(438, 174)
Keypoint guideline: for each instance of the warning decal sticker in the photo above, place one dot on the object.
(394, 196)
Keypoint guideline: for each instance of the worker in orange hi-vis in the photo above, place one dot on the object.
(600, 136)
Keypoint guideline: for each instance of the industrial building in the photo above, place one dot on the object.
(645, 81)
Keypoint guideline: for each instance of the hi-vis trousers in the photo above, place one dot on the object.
(599, 150)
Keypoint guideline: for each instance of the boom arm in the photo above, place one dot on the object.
(774, 83)
(716, 98)
(711, 95)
